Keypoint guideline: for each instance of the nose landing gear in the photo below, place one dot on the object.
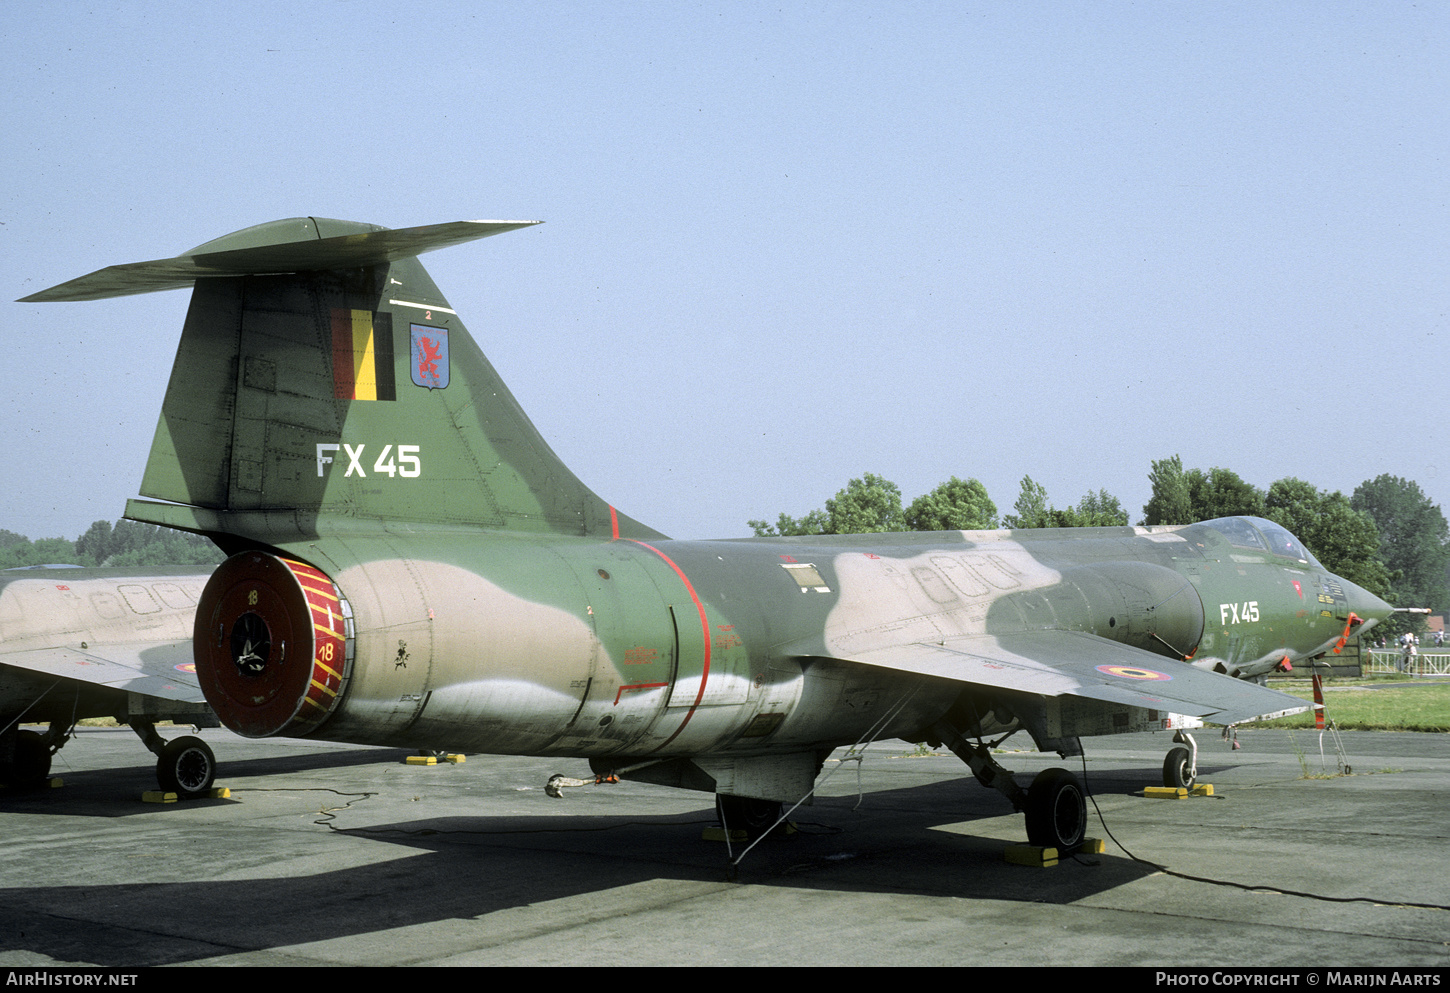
(1180, 766)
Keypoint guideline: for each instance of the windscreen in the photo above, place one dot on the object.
(1259, 534)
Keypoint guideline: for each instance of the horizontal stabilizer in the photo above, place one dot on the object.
(349, 251)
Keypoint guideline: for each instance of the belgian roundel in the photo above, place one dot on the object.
(1132, 672)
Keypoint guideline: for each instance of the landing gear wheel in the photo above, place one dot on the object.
(31, 764)
(1056, 812)
(1177, 773)
(743, 813)
(186, 767)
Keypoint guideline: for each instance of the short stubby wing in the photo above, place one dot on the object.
(1074, 663)
(162, 669)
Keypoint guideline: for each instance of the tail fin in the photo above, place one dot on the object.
(322, 379)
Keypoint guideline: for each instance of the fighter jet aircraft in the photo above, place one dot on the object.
(412, 565)
(78, 643)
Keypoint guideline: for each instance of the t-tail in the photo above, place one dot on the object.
(324, 384)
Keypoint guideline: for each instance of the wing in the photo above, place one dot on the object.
(88, 642)
(1077, 664)
(161, 669)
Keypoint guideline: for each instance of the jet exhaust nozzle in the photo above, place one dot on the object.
(272, 645)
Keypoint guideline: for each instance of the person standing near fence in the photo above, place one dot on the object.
(1407, 651)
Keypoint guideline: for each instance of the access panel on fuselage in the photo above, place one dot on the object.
(635, 655)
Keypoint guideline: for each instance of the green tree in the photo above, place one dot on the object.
(1170, 502)
(181, 550)
(1031, 509)
(126, 544)
(94, 546)
(1345, 540)
(1187, 496)
(130, 536)
(1221, 493)
(136, 544)
(815, 522)
(873, 504)
(866, 505)
(956, 505)
(1414, 539)
(42, 551)
(1100, 510)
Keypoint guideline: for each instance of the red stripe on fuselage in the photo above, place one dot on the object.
(704, 632)
(619, 693)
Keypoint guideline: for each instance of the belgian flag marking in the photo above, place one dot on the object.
(362, 355)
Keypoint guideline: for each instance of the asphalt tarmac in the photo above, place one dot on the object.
(336, 855)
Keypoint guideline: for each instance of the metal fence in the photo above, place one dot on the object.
(1435, 662)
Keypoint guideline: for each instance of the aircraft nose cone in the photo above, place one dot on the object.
(1369, 608)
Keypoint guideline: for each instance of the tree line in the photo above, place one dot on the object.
(125, 543)
(1387, 536)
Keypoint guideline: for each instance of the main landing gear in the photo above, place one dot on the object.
(1054, 805)
(742, 813)
(24, 758)
(1056, 812)
(185, 766)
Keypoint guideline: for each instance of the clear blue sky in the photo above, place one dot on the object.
(786, 244)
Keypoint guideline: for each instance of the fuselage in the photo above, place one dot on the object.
(412, 564)
(551, 645)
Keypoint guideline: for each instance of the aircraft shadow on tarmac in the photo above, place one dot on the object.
(112, 792)
(466, 867)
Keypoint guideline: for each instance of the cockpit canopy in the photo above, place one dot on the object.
(1261, 535)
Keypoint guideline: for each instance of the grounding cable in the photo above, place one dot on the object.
(867, 738)
(1246, 887)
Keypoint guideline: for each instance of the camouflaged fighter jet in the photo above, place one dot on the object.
(78, 643)
(412, 565)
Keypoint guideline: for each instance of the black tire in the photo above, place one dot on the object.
(743, 813)
(1176, 769)
(186, 767)
(31, 764)
(1056, 811)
